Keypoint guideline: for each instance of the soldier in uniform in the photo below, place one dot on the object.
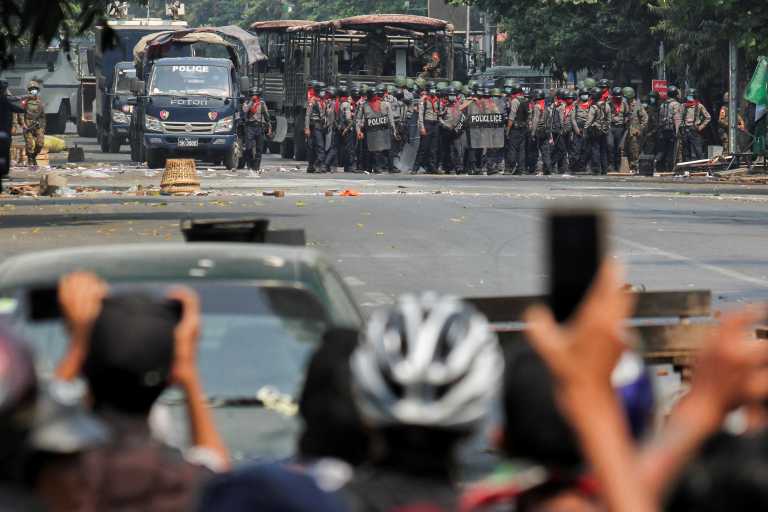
(638, 123)
(346, 128)
(560, 131)
(257, 125)
(314, 130)
(651, 132)
(669, 122)
(429, 116)
(583, 118)
(432, 68)
(696, 118)
(376, 125)
(723, 124)
(517, 130)
(34, 122)
(569, 106)
(541, 134)
(452, 127)
(619, 121)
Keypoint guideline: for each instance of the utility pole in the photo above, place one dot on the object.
(469, 26)
(662, 65)
(733, 85)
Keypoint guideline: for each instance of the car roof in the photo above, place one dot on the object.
(214, 61)
(161, 262)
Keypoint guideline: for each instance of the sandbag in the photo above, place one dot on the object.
(54, 144)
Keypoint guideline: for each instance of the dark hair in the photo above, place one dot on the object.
(130, 353)
(728, 474)
(534, 428)
(332, 424)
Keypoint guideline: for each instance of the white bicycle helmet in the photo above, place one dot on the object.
(427, 361)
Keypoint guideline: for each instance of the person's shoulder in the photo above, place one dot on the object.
(267, 487)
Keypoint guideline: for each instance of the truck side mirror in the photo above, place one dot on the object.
(245, 84)
(131, 101)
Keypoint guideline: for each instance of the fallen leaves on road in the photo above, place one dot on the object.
(300, 204)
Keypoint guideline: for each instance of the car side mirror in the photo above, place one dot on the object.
(245, 83)
(131, 101)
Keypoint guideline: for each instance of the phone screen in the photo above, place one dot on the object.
(576, 249)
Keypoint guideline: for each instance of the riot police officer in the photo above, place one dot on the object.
(618, 123)
(517, 129)
(331, 138)
(650, 135)
(34, 122)
(560, 130)
(541, 134)
(582, 119)
(346, 128)
(669, 122)
(314, 127)
(429, 115)
(376, 125)
(257, 125)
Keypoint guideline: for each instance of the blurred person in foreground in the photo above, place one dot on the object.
(732, 369)
(18, 396)
(424, 378)
(129, 349)
(334, 441)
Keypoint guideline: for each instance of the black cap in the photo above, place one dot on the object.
(616, 91)
(131, 352)
(673, 91)
(603, 83)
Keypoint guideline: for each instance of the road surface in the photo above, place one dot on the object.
(470, 236)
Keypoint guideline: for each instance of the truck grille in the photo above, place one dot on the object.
(192, 128)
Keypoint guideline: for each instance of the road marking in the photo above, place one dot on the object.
(732, 274)
(354, 281)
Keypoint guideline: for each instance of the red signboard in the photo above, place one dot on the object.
(660, 86)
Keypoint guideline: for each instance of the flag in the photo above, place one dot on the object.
(757, 90)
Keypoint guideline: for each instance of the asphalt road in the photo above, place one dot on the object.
(471, 236)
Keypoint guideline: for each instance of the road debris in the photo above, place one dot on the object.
(273, 193)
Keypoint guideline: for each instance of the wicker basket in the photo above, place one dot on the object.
(179, 177)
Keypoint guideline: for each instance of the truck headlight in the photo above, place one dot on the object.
(152, 124)
(224, 125)
(120, 117)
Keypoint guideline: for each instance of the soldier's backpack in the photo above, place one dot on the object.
(666, 116)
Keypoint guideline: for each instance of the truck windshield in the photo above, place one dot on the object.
(190, 79)
(123, 85)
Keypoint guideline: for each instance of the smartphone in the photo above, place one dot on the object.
(576, 245)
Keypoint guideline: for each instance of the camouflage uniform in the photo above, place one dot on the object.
(314, 121)
(723, 124)
(34, 127)
(619, 119)
(346, 125)
(583, 118)
(429, 115)
(638, 123)
(669, 121)
(541, 133)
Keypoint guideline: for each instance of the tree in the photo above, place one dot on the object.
(613, 37)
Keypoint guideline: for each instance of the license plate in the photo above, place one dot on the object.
(187, 143)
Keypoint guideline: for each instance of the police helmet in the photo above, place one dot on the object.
(398, 94)
(466, 91)
(571, 95)
(589, 83)
(597, 94)
(401, 81)
(628, 93)
(673, 91)
(33, 84)
(539, 94)
(343, 91)
(410, 83)
(456, 84)
(496, 92)
(254, 91)
(312, 84)
(616, 91)
(381, 89)
(3, 84)
(332, 91)
(451, 90)
(584, 94)
(604, 83)
(431, 85)
(692, 94)
(561, 94)
(442, 85)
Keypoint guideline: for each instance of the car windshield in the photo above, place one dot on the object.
(123, 85)
(188, 79)
(255, 342)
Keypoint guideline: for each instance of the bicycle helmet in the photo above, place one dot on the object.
(428, 361)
